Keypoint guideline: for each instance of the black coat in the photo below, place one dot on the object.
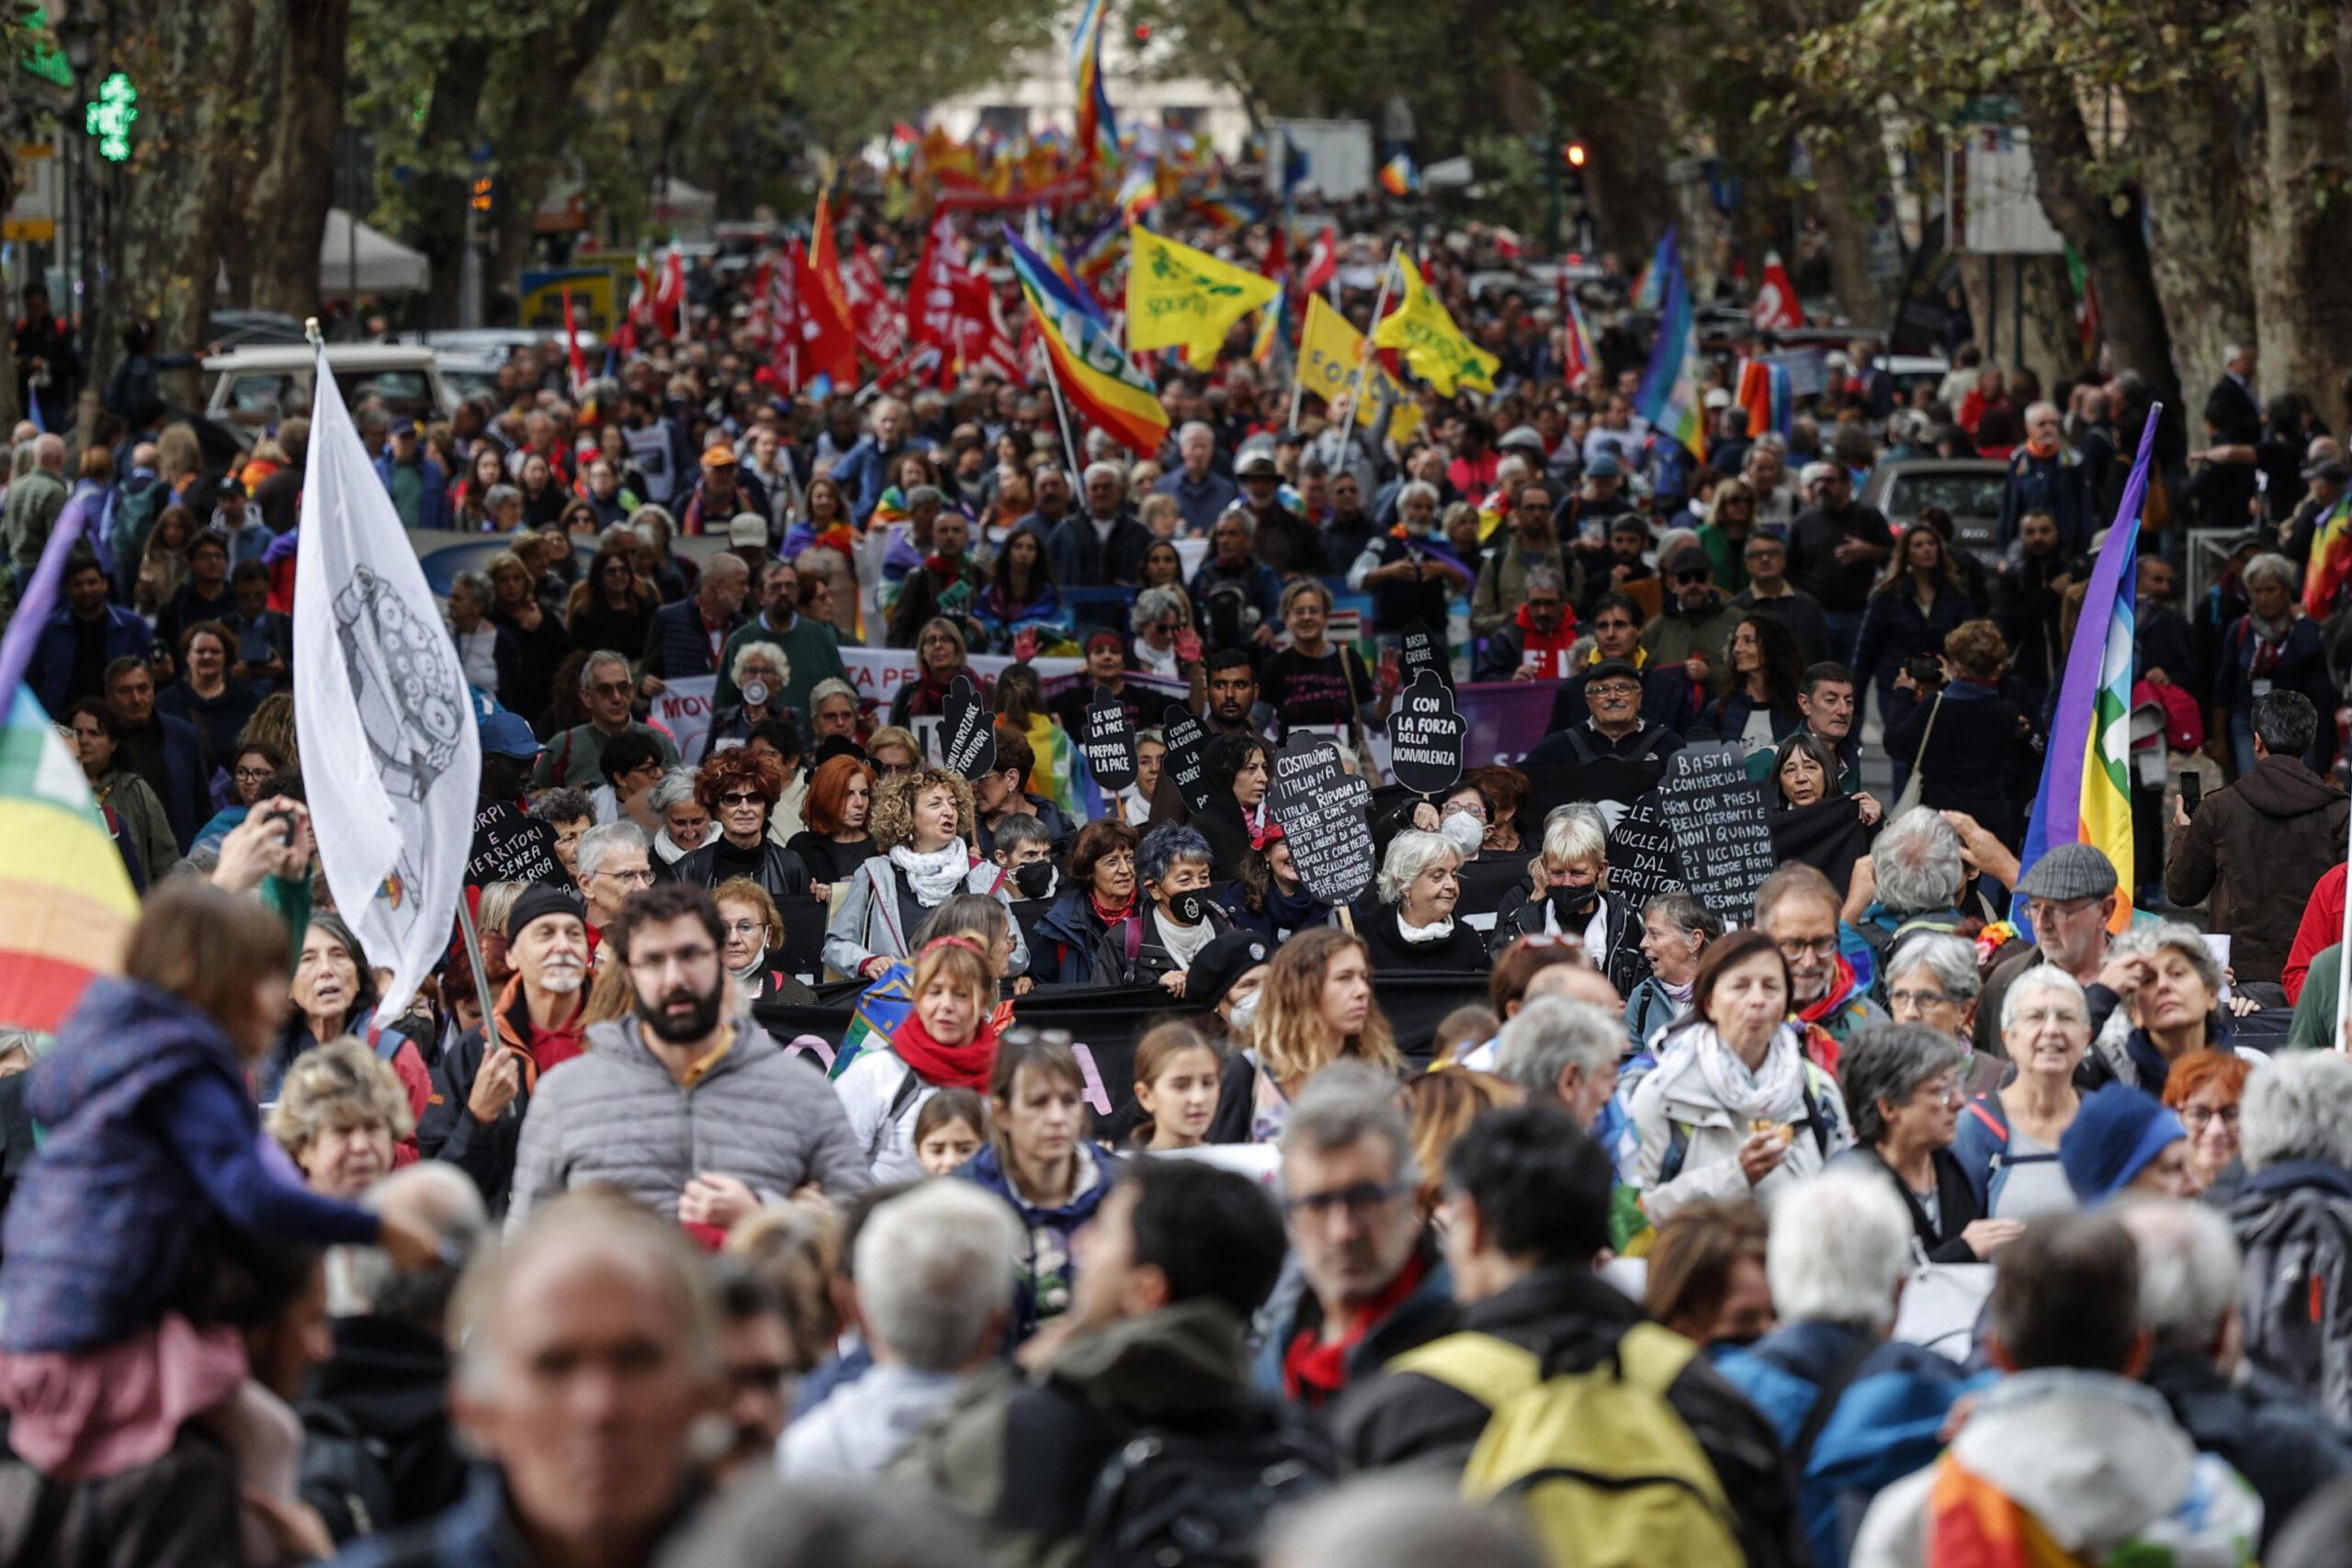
(1956, 1206)
(1965, 764)
(385, 1385)
(2270, 1435)
(777, 870)
(1458, 951)
(1622, 965)
(1572, 1318)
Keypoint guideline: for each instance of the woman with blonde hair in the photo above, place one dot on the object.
(341, 1115)
(1439, 1107)
(925, 828)
(1317, 1008)
(947, 1040)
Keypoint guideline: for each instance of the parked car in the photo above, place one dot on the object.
(1968, 488)
(252, 389)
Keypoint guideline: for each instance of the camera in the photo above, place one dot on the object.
(1926, 670)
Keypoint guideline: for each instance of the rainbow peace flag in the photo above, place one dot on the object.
(1226, 212)
(1670, 399)
(2085, 792)
(1098, 127)
(1138, 194)
(1398, 176)
(1094, 372)
(1099, 252)
(66, 904)
(2331, 560)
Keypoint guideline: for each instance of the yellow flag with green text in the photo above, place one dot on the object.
(1432, 346)
(1181, 298)
(1329, 350)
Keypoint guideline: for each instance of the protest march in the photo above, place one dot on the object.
(1095, 859)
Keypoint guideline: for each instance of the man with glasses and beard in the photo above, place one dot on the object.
(685, 1079)
(481, 1087)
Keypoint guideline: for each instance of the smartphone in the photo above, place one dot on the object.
(284, 822)
(2192, 792)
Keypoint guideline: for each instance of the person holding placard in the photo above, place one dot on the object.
(1314, 684)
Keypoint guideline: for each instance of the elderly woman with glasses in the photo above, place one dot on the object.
(1902, 1085)
(2205, 1088)
(740, 788)
(2009, 1139)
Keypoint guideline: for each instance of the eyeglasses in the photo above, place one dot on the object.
(1946, 1090)
(1795, 947)
(640, 877)
(744, 797)
(2197, 1118)
(253, 775)
(610, 688)
(1918, 998)
(1614, 689)
(745, 928)
(1682, 578)
(1364, 1198)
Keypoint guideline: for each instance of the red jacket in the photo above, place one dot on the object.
(2322, 928)
(1548, 654)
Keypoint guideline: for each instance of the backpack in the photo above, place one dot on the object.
(2298, 1294)
(1203, 1499)
(343, 1473)
(1605, 1470)
(1996, 1169)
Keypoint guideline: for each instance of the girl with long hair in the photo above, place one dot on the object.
(1317, 1006)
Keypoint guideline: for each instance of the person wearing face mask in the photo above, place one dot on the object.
(1025, 849)
(1568, 896)
(482, 1085)
(1185, 917)
(1407, 920)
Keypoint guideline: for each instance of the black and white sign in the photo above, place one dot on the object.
(511, 847)
(1425, 736)
(1644, 860)
(1425, 650)
(967, 731)
(1110, 742)
(1187, 759)
(1720, 825)
(1323, 811)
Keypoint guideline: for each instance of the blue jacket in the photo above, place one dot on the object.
(1884, 1426)
(866, 474)
(479, 1531)
(103, 1219)
(2053, 485)
(1046, 1272)
(189, 803)
(53, 661)
(433, 511)
(679, 647)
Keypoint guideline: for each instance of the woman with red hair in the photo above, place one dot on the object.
(740, 788)
(837, 839)
(2205, 1088)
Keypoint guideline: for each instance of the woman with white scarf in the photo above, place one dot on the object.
(1412, 925)
(924, 828)
(1734, 1109)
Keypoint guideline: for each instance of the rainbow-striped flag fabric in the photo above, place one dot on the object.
(1577, 354)
(2086, 792)
(1098, 127)
(2331, 565)
(1670, 399)
(1094, 373)
(1763, 391)
(66, 903)
(1398, 176)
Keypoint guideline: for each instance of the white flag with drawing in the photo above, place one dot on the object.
(393, 760)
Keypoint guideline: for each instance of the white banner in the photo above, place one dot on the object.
(381, 699)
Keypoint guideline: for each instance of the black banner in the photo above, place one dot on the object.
(1110, 741)
(511, 847)
(1425, 736)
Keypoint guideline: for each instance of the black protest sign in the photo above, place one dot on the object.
(511, 847)
(1322, 808)
(1721, 826)
(967, 731)
(1188, 752)
(1644, 860)
(1425, 650)
(1425, 736)
(1110, 742)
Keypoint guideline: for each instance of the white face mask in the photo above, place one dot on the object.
(1245, 1014)
(1465, 832)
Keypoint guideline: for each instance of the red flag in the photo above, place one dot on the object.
(670, 294)
(881, 325)
(1322, 263)
(1776, 301)
(830, 340)
(931, 298)
(784, 318)
(572, 341)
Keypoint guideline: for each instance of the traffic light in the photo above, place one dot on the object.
(109, 117)
(1575, 154)
(484, 193)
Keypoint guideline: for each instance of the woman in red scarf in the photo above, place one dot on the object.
(947, 1040)
(1095, 930)
(940, 656)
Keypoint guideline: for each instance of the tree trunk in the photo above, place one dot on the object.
(452, 122)
(1625, 176)
(2113, 249)
(2052, 347)
(534, 123)
(2196, 187)
(175, 194)
(1850, 176)
(295, 184)
(2304, 163)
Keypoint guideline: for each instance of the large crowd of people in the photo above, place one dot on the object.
(748, 1193)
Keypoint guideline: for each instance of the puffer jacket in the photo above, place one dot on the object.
(615, 1115)
(2256, 848)
(1674, 1109)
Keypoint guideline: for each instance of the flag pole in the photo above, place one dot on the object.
(1348, 397)
(482, 998)
(2342, 973)
(1071, 456)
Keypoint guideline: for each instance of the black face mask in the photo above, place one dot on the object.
(1737, 1342)
(1575, 902)
(1187, 909)
(1035, 879)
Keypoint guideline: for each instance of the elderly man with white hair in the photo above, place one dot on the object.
(1102, 544)
(1563, 1050)
(1855, 1409)
(2046, 476)
(1917, 875)
(2293, 1217)
(933, 1272)
(2190, 1274)
(1200, 491)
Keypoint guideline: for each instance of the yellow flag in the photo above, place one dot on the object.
(1328, 352)
(1433, 345)
(1181, 298)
